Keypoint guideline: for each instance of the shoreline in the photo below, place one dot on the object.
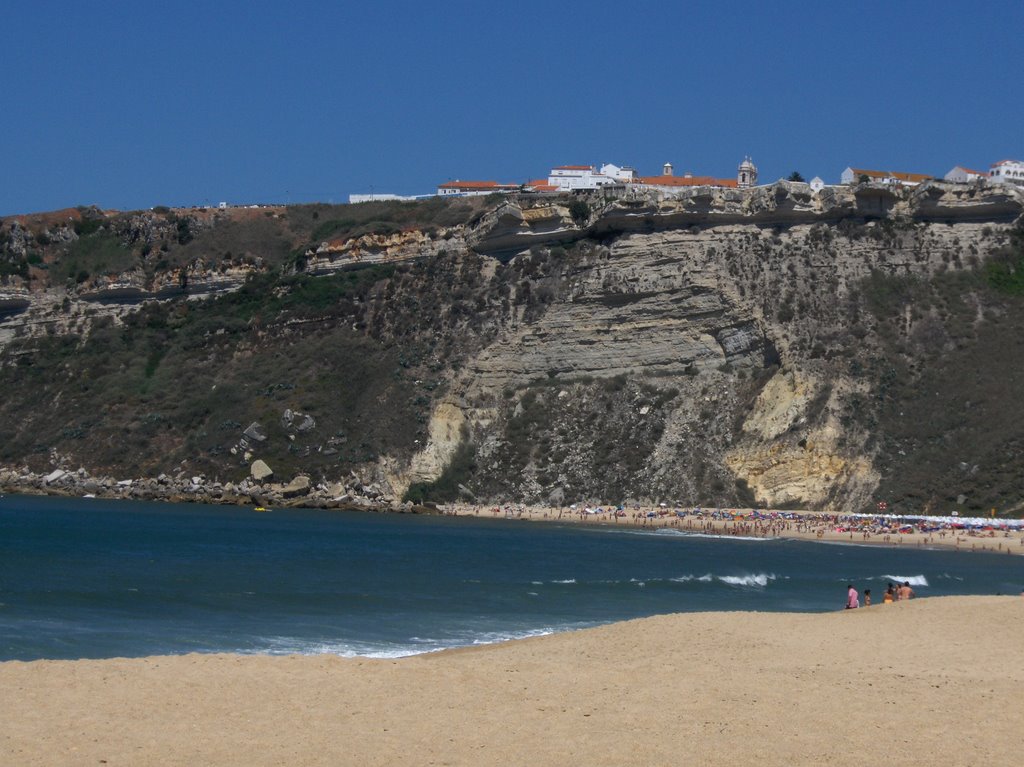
(163, 489)
(818, 526)
(717, 688)
(740, 524)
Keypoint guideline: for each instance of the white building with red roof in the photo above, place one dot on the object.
(539, 185)
(1007, 172)
(891, 177)
(962, 175)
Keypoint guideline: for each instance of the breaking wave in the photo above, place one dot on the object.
(757, 580)
(760, 580)
(413, 646)
(670, 532)
(701, 578)
(913, 580)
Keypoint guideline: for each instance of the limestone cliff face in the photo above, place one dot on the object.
(44, 306)
(334, 255)
(812, 469)
(705, 295)
(446, 434)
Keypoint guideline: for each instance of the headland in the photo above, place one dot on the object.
(777, 346)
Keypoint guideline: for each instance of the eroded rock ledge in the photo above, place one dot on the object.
(517, 225)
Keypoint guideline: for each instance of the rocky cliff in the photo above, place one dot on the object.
(771, 346)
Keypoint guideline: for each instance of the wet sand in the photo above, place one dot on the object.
(928, 682)
(816, 527)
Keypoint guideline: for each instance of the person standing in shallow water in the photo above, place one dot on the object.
(890, 595)
(867, 597)
(852, 600)
(904, 592)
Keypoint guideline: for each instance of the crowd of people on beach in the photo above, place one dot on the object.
(893, 593)
(964, 533)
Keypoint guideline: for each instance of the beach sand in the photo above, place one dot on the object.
(817, 527)
(928, 682)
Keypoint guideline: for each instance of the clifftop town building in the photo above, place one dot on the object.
(581, 178)
(472, 188)
(1007, 172)
(962, 175)
(570, 178)
(669, 182)
(897, 178)
(746, 175)
(587, 177)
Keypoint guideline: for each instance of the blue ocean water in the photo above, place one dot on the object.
(86, 578)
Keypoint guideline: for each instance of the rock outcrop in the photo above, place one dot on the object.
(260, 471)
(510, 229)
(300, 491)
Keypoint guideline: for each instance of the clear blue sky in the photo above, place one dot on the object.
(128, 105)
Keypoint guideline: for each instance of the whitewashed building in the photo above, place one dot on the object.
(569, 178)
(892, 177)
(962, 175)
(384, 197)
(746, 174)
(474, 188)
(1007, 172)
(624, 174)
(816, 184)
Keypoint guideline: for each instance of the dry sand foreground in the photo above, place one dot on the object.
(930, 682)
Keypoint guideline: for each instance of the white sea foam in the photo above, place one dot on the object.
(759, 580)
(664, 531)
(743, 580)
(913, 580)
(415, 645)
(494, 637)
(296, 646)
(567, 580)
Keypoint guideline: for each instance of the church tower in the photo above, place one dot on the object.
(666, 169)
(746, 176)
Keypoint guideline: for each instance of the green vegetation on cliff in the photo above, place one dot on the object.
(178, 382)
(946, 380)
